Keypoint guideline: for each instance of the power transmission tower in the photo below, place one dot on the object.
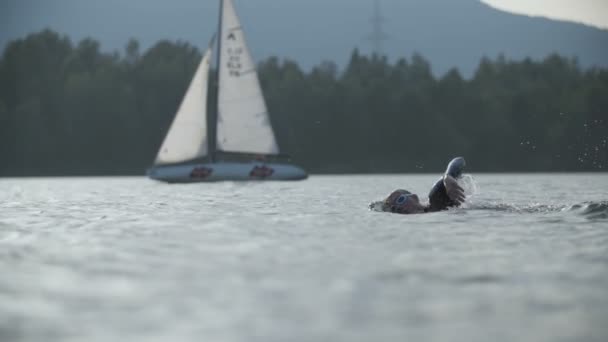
(378, 36)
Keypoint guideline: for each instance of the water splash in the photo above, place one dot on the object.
(531, 208)
(591, 210)
(376, 206)
(468, 183)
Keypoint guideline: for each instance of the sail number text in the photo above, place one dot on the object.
(234, 61)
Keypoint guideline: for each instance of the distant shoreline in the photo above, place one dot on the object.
(325, 174)
(70, 109)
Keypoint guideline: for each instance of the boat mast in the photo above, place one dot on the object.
(214, 112)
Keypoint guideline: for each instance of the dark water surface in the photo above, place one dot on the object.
(129, 259)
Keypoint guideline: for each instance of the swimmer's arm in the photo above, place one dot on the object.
(454, 191)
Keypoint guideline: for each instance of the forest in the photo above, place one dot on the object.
(71, 109)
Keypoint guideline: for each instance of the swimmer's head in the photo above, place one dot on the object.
(403, 202)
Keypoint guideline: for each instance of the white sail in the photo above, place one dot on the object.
(187, 136)
(243, 123)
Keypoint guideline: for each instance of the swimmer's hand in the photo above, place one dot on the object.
(455, 192)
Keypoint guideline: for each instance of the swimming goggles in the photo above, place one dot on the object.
(402, 199)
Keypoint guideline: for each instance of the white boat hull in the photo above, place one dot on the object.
(226, 171)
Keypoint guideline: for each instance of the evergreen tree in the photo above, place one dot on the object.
(72, 109)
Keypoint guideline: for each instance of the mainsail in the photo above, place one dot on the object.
(187, 136)
(243, 124)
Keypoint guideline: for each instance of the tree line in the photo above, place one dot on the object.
(69, 108)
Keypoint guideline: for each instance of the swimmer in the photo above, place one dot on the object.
(446, 193)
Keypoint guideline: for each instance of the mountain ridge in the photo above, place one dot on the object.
(448, 33)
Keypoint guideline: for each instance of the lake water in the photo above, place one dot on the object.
(130, 259)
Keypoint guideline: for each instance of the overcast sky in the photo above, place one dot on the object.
(590, 12)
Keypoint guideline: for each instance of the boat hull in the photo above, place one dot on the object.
(226, 171)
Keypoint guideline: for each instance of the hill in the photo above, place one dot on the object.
(449, 33)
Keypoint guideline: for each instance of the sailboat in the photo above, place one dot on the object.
(236, 141)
